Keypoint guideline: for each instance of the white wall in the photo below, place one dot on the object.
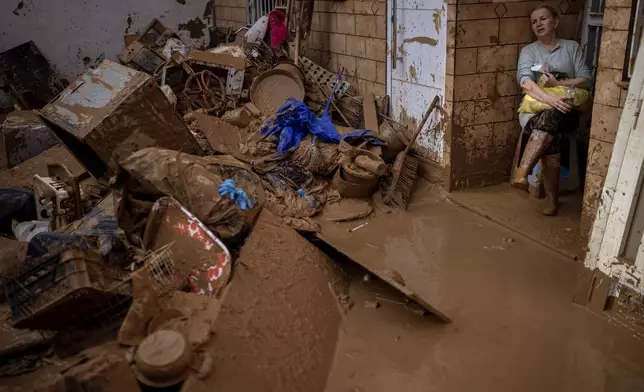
(67, 31)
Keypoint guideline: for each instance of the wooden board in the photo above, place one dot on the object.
(371, 119)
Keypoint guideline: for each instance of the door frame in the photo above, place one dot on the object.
(620, 192)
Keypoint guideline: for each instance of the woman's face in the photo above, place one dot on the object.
(543, 23)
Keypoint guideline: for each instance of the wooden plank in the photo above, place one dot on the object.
(371, 119)
(599, 291)
(218, 59)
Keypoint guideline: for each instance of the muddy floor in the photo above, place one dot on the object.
(514, 325)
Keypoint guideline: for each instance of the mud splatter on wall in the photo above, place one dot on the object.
(75, 34)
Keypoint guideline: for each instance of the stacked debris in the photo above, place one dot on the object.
(182, 149)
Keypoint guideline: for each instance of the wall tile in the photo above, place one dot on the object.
(451, 12)
(619, 3)
(476, 11)
(506, 133)
(613, 49)
(356, 46)
(449, 87)
(599, 153)
(376, 49)
(500, 109)
(346, 24)
(381, 26)
(515, 30)
(338, 43)
(469, 87)
(606, 89)
(465, 61)
(506, 83)
(605, 122)
(381, 72)
(478, 137)
(450, 68)
(477, 33)
(366, 69)
(616, 18)
(567, 27)
(366, 25)
(592, 192)
(515, 10)
(349, 64)
(497, 58)
(325, 6)
(622, 97)
(368, 7)
(464, 113)
(345, 7)
(451, 34)
(328, 22)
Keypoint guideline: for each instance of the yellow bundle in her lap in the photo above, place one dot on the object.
(531, 105)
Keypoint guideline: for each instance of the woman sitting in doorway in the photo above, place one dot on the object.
(547, 62)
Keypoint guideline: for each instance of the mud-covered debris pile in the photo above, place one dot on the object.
(130, 270)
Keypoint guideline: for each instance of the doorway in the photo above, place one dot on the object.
(417, 41)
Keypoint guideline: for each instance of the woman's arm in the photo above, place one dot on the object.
(532, 89)
(583, 75)
(578, 82)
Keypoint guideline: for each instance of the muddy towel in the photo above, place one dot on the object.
(194, 181)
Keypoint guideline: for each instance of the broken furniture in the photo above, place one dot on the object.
(31, 79)
(58, 196)
(111, 112)
(234, 64)
(23, 136)
(143, 57)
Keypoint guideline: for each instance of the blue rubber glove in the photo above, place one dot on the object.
(237, 195)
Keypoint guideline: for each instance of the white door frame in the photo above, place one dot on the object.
(620, 193)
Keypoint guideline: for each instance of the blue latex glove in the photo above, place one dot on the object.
(237, 195)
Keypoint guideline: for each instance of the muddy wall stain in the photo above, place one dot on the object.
(436, 16)
(412, 73)
(422, 40)
(195, 27)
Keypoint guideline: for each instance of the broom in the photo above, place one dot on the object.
(405, 169)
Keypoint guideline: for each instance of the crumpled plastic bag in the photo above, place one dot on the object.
(193, 181)
(531, 105)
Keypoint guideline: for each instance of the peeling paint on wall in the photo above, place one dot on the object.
(70, 32)
(195, 27)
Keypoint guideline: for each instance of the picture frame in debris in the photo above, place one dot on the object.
(314, 73)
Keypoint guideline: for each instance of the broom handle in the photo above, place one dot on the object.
(422, 123)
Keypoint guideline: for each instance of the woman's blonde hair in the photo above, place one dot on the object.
(551, 9)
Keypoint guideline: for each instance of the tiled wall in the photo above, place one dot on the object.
(487, 38)
(351, 34)
(230, 13)
(607, 105)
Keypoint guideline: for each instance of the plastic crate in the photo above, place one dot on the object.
(72, 290)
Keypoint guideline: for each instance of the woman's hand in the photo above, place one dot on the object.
(549, 80)
(560, 103)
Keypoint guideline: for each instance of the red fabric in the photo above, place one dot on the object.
(277, 24)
